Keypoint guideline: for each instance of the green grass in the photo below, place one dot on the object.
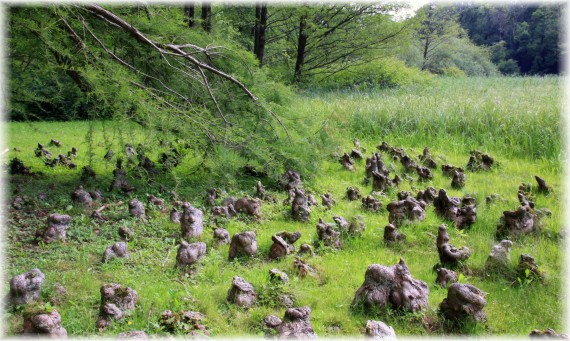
(516, 120)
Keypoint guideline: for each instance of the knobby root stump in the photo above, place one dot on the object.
(391, 234)
(299, 207)
(260, 193)
(248, 206)
(42, 152)
(542, 186)
(189, 254)
(356, 154)
(371, 203)
(221, 236)
(157, 202)
(327, 200)
(462, 212)
(54, 143)
(306, 249)
(394, 287)
(120, 180)
(347, 162)
(116, 302)
(448, 170)
(82, 197)
(518, 222)
(408, 163)
(117, 250)
(44, 324)
(353, 193)
(403, 195)
(283, 244)
(394, 151)
(381, 182)
(223, 211)
(449, 256)
(189, 321)
(211, 196)
(446, 277)
(290, 180)
(243, 244)
(458, 180)
(464, 303)
(277, 276)
(328, 234)
(407, 209)
(427, 159)
(311, 200)
(500, 256)
(25, 288)
(229, 201)
(87, 173)
(175, 215)
(528, 269)
(354, 228)
(191, 222)
(424, 174)
(136, 208)
(375, 164)
(17, 167)
(125, 233)
(427, 196)
(133, 334)
(550, 333)
(303, 269)
(479, 161)
(241, 293)
(296, 324)
(96, 194)
(492, 198)
(57, 227)
(379, 330)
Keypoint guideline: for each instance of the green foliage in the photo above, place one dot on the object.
(444, 46)
(382, 73)
(527, 35)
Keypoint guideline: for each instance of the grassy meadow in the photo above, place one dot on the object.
(518, 121)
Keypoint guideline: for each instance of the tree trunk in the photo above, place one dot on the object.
(301, 45)
(207, 17)
(426, 48)
(189, 11)
(259, 31)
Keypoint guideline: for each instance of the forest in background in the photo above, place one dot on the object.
(65, 61)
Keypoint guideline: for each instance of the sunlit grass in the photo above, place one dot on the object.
(516, 120)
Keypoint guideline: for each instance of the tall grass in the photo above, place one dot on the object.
(520, 116)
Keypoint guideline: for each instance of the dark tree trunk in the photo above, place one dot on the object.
(426, 48)
(301, 45)
(189, 11)
(207, 17)
(259, 30)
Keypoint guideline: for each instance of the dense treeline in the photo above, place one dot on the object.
(208, 63)
(522, 38)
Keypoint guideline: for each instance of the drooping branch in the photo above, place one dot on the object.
(113, 19)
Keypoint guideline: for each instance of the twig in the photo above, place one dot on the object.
(165, 259)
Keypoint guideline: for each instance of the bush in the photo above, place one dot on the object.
(385, 73)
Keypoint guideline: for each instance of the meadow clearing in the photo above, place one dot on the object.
(518, 121)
